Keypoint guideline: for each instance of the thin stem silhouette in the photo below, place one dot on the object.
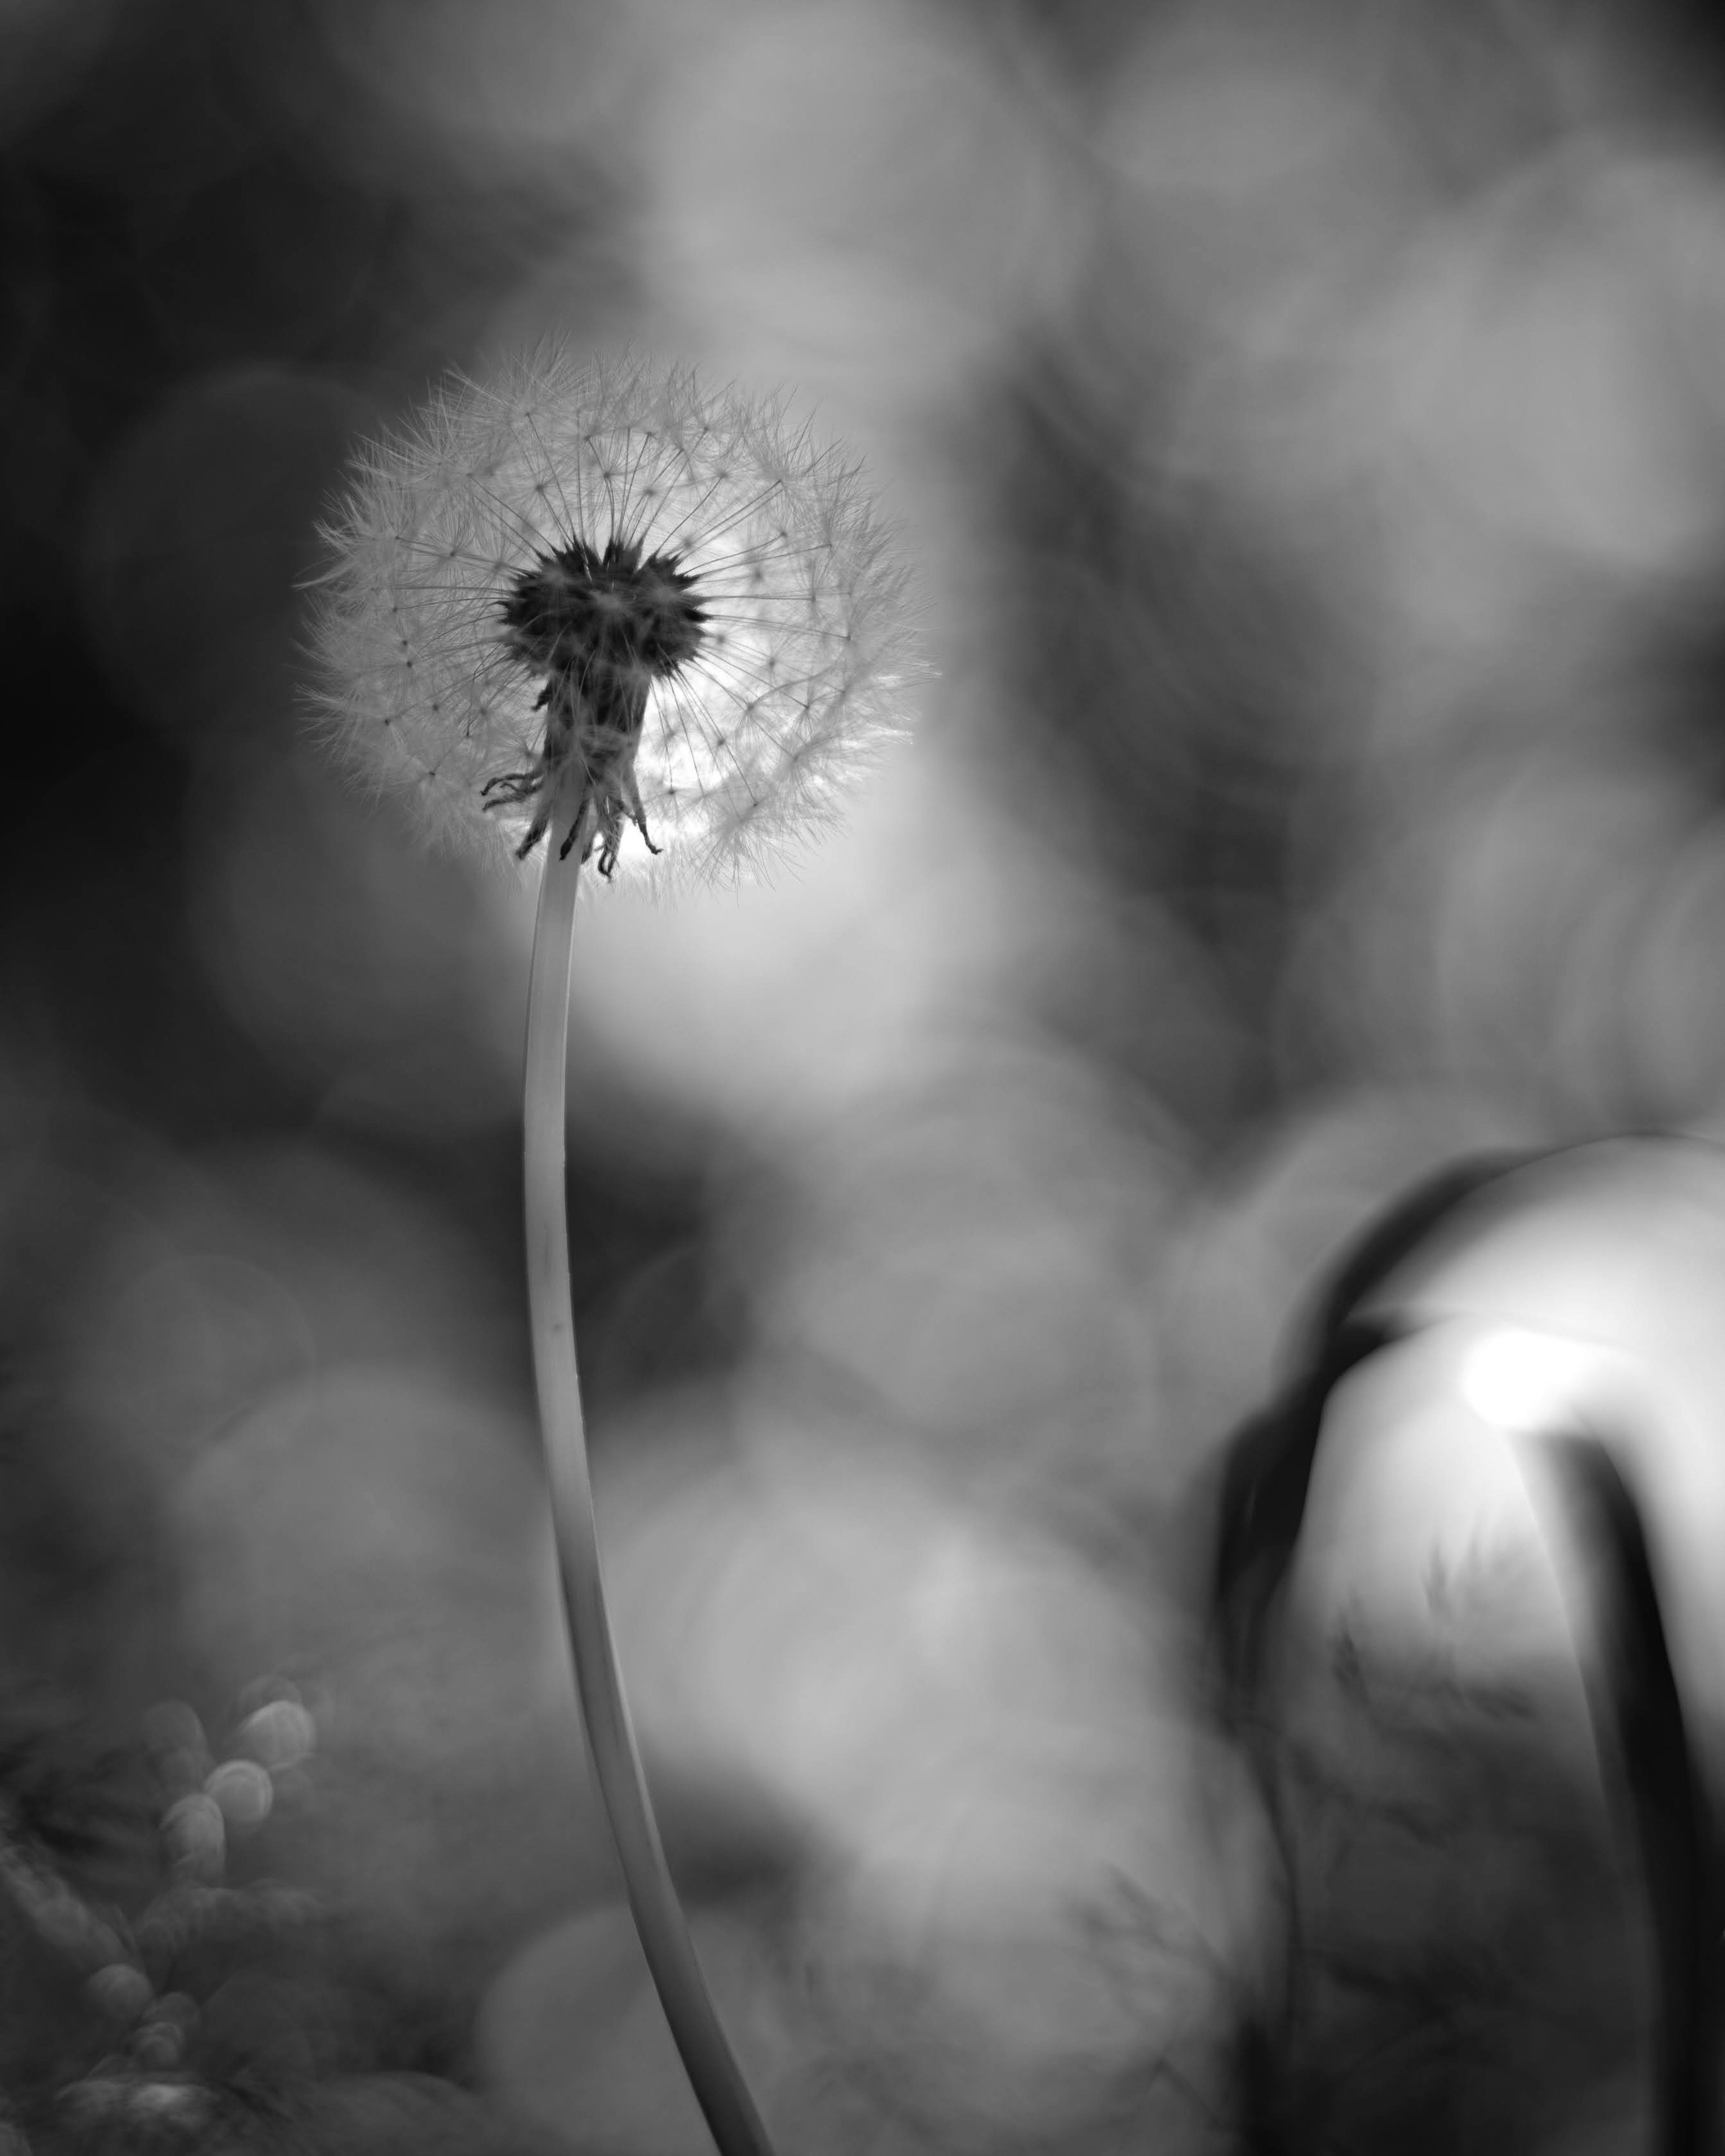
(707, 2057)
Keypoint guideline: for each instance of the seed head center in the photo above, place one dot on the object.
(605, 620)
(600, 628)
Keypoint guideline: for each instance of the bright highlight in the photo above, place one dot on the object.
(1521, 1380)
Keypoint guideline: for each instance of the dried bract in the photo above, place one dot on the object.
(606, 603)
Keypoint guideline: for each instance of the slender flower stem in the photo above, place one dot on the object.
(707, 2057)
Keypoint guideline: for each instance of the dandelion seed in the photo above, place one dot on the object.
(605, 608)
(605, 603)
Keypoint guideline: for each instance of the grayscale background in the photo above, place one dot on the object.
(1308, 423)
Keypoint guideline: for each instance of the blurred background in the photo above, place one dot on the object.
(1307, 422)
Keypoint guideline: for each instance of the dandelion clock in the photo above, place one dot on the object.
(605, 616)
(1469, 1604)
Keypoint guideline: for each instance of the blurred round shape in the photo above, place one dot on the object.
(1478, 414)
(365, 1272)
(172, 1726)
(967, 1710)
(156, 2047)
(1120, 973)
(1506, 926)
(376, 1518)
(974, 1252)
(182, 2107)
(1531, 365)
(850, 190)
(188, 1346)
(278, 1735)
(194, 1836)
(266, 1690)
(181, 1771)
(382, 1534)
(1520, 393)
(177, 2008)
(797, 1000)
(97, 2096)
(121, 1991)
(1268, 188)
(1258, 167)
(573, 2029)
(179, 1750)
(1205, 112)
(1544, 880)
(244, 1790)
(197, 531)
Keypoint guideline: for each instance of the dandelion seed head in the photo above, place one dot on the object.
(604, 605)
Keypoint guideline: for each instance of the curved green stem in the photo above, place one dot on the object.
(707, 2057)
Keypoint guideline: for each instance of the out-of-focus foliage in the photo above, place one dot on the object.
(1307, 421)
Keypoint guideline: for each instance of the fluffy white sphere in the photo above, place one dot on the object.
(605, 599)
